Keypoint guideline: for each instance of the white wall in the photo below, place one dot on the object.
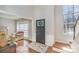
(59, 22)
(59, 26)
(47, 13)
(9, 24)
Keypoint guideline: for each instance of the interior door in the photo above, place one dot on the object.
(40, 31)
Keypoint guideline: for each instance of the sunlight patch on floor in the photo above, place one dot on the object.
(22, 49)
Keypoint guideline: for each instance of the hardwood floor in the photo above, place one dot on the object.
(57, 45)
(60, 45)
(8, 49)
(20, 47)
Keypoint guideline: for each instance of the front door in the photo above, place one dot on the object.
(40, 31)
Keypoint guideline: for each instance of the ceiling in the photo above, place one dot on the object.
(18, 10)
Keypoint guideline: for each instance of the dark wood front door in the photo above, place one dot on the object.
(40, 31)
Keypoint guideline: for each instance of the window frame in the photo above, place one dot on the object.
(74, 16)
(23, 22)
